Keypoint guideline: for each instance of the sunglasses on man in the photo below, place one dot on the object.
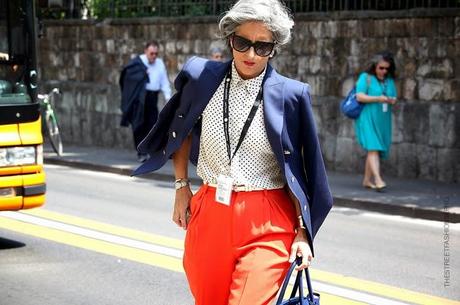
(261, 48)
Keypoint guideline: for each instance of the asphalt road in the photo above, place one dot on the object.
(97, 242)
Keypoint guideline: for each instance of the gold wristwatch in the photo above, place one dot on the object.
(180, 183)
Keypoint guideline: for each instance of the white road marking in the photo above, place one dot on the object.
(423, 222)
(94, 234)
(355, 295)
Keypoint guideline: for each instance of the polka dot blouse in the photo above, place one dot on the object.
(254, 164)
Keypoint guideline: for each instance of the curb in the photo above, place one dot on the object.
(397, 209)
(113, 170)
(373, 206)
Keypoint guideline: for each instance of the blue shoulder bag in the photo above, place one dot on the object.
(350, 106)
(310, 299)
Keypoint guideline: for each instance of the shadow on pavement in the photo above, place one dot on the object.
(6, 244)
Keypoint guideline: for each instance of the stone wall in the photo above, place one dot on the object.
(84, 59)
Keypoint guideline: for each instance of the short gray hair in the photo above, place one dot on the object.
(274, 14)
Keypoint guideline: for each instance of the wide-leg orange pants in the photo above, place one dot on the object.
(238, 254)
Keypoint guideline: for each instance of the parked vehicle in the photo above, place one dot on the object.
(22, 177)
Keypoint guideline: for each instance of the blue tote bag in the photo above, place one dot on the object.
(350, 106)
(310, 299)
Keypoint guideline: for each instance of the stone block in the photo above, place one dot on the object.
(354, 65)
(442, 123)
(325, 47)
(407, 160)
(315, 29)
(328, 147)
(426, 161)
(348, 28)
(436, 68)
(309, 46)
(457, 27)
(315, 64)
(345, 127)
(430, 89)
(390, 165)
(452, 90)
(200, 47)
(344, 153)
(437, 48)
(329, 29)
(421, 48)
(415, 118)
(398, 28)
(447, 164)
(170, 47)
(302, 65)
(397, 123)
(406, 46)
(423, 27)
(110, 46)
(445, 26)
(409, 91)
(317, 84)
(347, 85)
(355, 47)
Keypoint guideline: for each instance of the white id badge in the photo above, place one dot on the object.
(385, 107)
(224, 189)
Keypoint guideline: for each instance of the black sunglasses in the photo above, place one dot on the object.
(383, 68)
(262, 48)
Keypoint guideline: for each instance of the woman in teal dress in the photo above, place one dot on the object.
(376, 89)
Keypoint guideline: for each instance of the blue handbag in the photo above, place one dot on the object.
(310, 299)
(350, 106)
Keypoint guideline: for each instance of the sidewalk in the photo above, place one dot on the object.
(413, 198)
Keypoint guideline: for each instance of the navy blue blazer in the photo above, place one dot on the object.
(133, 79)
(288, 120)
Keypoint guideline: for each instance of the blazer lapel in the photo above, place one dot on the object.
(274, 111)
(209, 81)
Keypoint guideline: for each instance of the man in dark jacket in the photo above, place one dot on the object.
(141, 80)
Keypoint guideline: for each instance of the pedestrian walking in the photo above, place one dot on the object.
(251, 133)
(141, 81)
(376, 89)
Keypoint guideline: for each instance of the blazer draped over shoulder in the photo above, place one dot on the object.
(289, 123)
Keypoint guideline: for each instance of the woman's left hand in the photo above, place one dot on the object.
(301, 248)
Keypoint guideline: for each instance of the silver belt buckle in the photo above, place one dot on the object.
(242, 188)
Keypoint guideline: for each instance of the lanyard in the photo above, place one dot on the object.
(383, 86)
(248, 122)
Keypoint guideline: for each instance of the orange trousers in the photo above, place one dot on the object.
(238, 254)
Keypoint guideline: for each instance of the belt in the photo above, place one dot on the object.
(240, 188)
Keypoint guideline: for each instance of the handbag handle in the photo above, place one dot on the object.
(298, 284)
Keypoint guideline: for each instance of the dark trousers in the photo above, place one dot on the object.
(150, 116)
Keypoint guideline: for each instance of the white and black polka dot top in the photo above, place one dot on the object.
(254, 164)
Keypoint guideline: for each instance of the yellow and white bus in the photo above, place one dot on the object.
(22, 178)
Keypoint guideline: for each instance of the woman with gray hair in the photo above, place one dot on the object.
(251, 133)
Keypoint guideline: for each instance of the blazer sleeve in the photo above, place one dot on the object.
(158, 135)
(318, 192)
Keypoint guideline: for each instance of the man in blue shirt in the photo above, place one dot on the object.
(141, 81)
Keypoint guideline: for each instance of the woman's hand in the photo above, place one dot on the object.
(383, 99)
(181, 206)
(300, 247)
(392, 100)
